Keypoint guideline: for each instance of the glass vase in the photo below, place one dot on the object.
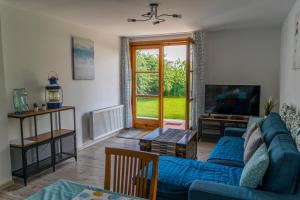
(20, 100)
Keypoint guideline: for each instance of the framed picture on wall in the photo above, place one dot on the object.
(83, 59)
(296, 54)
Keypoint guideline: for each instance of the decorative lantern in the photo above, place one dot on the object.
(53, 92)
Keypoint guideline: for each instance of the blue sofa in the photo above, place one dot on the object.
(218, 178)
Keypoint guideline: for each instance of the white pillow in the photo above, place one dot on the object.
(248, 133)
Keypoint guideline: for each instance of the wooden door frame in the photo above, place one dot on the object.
(187, 101)
(159, 44)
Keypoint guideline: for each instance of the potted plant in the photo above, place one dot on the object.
(269, 105)
(44, 107)
(35, 107)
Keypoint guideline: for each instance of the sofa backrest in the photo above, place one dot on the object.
(283, 172)
(254, 119)
(272, 126)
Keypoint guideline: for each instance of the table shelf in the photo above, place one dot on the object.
(40, 138)
(42, 165)
(40, 112)
(60, 144)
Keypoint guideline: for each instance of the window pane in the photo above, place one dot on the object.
(147, 84)
(147, 60)
(147, 107)
(175, 71)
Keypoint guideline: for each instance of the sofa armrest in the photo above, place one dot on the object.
(234, 132)
(205, 190)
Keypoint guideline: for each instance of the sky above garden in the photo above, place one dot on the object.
(172, 53)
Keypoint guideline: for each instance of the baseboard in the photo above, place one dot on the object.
(92, 142)
(6, 184)
(107, 134)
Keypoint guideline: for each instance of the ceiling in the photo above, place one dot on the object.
(111, 15)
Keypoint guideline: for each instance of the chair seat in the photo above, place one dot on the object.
(175, 175)
(228, 151)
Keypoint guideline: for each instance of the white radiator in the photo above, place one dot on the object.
(106, 121)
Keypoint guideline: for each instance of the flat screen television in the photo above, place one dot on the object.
(232, 99)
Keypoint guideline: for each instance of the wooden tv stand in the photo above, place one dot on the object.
(213, 126)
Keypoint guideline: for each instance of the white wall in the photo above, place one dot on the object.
(289, 78)
(33, 45)
(5, 174)
(246, 56)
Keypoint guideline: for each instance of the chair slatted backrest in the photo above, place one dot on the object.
(130, 171)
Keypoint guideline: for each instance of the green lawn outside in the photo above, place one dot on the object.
(174, 107)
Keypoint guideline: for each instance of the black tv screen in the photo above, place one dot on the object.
(232, 99)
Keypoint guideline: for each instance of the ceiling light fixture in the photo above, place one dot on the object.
(153, 15)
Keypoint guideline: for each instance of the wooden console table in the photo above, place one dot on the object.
(214, 126)
(45, 150)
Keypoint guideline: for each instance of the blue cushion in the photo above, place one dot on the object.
(255, 168)
(175, 175)
(282, 174)
(229, 151)
(272, 126)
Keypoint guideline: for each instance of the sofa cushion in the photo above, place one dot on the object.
(272, 126)
(252, 145)
(234, 131)
(283, 171)
(175, 175)
(249, 131)
(255, 168)
(252, 120)
(228, 151)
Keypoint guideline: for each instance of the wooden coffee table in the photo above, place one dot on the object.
(186, 146)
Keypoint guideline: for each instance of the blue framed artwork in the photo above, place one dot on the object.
(83, 59)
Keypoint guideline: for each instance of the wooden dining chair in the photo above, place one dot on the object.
(129, 174)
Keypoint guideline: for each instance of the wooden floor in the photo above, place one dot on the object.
(88, 170)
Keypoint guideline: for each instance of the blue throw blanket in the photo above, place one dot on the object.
(175, 175)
